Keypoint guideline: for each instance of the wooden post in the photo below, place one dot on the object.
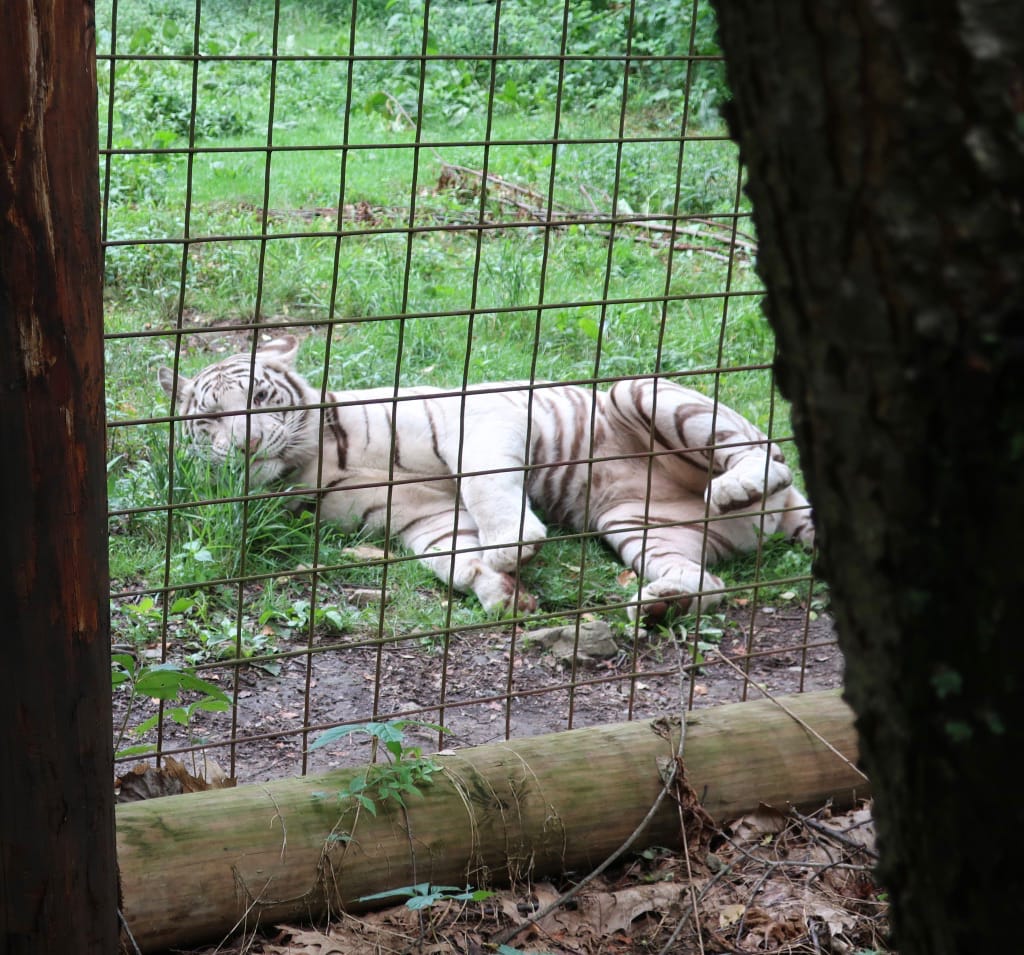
(58, 882)
(196, 867)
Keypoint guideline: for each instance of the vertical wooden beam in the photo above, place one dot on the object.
(58, 882)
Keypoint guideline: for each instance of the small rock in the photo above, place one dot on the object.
(595, 641)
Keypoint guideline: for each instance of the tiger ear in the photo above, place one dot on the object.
(281, 350)
(166, 379)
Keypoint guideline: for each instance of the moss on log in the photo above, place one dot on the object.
(195, 867)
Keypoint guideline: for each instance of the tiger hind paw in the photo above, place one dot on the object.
(744, 486)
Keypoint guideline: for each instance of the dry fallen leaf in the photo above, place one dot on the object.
(309, 942)
(365, 552)
(730, 915)
(754, 826)
(598, 914)
(171, 779)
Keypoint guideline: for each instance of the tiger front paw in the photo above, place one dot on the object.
(675, 594)
(510, 556)
(502, 594)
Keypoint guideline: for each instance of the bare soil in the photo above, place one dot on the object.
(485, 686)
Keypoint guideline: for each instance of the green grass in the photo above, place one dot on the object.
(435, 307)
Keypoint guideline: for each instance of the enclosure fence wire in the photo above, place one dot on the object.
(507, 197)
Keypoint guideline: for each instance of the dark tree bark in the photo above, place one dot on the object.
(58, 885)
(885, 146)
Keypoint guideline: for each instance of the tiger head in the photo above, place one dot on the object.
(249, 404)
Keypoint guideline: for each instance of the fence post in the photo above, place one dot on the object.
(58, 881)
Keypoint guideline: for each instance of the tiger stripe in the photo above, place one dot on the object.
(665, 475)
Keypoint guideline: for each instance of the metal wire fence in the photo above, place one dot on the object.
(422, 194)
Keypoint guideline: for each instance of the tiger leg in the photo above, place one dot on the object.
(667, 560)
(454, 555)
(508, 528)
(711, 441)
(674, 559)
(797, 523)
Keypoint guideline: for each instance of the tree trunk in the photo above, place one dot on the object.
(58, 884)
(196, 867)
(885, 151)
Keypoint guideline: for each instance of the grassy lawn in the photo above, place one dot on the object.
(222, 179)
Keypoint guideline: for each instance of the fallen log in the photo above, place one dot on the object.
(197, 867)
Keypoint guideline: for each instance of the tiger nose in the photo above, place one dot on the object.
(254, 443)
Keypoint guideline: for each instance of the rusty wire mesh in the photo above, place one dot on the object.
(402, 254)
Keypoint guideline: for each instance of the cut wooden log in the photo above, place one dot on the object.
(196, 867)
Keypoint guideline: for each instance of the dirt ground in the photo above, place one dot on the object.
(485, 686)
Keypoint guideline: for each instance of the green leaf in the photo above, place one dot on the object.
(422, 902)
(162, 682)
(208, 705)
(140, 749)
(165, 681)
(356, 785)
(335, 733)
(142, 608)
(189, 681)
(335, 618)
(376, 103)
(269, 666)
(146, 725)
(140, 40)
(180, 714)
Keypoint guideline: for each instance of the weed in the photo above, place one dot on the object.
(202, 635)
(160, 681)
(299, 613)
(425, 894)
(405, 772)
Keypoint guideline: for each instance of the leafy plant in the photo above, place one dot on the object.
(161, 681)
(406, 771)
(228, 637)
(201, 634)
(145, 617)
(425, 894)
(297, 613)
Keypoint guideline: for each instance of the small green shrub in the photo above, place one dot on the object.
(169, 682)
(406, 771)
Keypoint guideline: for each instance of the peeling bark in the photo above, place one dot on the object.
(57, 865)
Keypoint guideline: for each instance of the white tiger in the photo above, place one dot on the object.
(458, 464)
